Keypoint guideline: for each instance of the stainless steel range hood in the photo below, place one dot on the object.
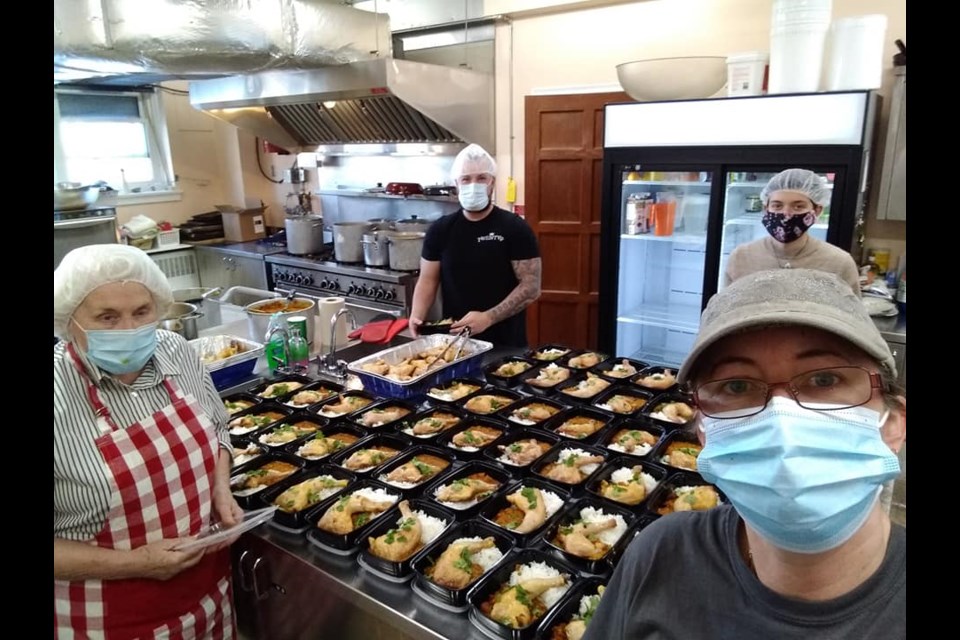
(377, 101)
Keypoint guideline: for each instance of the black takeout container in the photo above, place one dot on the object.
(510, 413)
(553, 424)
(499, 502)
(665, 398)
(493, 452)
(603, 369)
(358, 417)
(238, 397)
(241, 465)
(603, 565)
(665, 490)
(321, 407)
(445, 440)
(294, 418)
(450, 598)
(631, 424)
(430, 328)
(435, 400)
(565, 361)
(574, 381)
(392, 440)
(253, 500)
(259, 389)
(535, 390)
(509, 381)
(332, 429)
(538, 355)
(407, 456)
(653, 370)
(468, 469)
(500, 392)
(407, 425)
(258, 410)
(319, 385)
(669, 437)
(400, 570)
(553, 456)
(295, 521)
(657, 472)
(569, 607)
(625, 390)
(347, 543)
(499, 576)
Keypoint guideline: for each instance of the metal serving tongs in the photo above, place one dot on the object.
(460, 340)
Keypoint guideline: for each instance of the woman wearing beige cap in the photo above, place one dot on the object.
(792, 200)
(141, 459)
(800, 423)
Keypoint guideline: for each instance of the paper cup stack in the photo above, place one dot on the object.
(798, 32)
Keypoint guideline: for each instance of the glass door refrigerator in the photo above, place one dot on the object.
(681, 190)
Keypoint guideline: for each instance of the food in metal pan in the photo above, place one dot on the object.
(577, 626)
(261, 477)
(346, 404)
(628, 485)
(410, 368)
(354, 510)
(310, 396)
(417, 470)
(523, 452)
(380, 416)
(550, 353)
(572, 466)
(281, 305)
(549, 376)
(487, 403)
(464, 561)
(529, 509)
(663, 380)
(242, 456)
(579, 427)
(511, 368)
(587, 388)
(682, 454)
(252, 422)
(474, 437)
(235, 406)
(622, 369)
(233, 348)
(591, 535)
(622, 403)
(278, 389)
(679, 412)
(466, 492)
(414, 530)
(533, 413)
(453, 392)
(321, 446)
(528, 594)
(365, 459)
(635, 441)
(433, 424)
(585, 360)
(285, 433)
(697, 498)
(308, 493)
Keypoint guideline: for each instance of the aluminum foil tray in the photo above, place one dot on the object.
(228, 371)
(387, 387)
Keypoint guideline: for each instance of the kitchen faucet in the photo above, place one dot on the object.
(336, 367)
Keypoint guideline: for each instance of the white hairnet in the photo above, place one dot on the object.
(800, 180)
(86, 268)
(473, 159)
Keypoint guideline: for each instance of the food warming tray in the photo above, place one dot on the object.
(381, 385)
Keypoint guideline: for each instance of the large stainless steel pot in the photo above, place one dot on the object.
(259, 318)
(375, 249)
(206, 304)
(304, 234)
(182, 318)
(347, 237)
(405, 250)
(413, 223)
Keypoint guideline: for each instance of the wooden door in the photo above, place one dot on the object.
(564, 160)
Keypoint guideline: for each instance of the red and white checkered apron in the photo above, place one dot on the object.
(162, 478)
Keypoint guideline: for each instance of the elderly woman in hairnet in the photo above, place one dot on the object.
(793, 200)
(141, 459)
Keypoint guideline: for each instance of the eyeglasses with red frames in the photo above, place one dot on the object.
(827, 389)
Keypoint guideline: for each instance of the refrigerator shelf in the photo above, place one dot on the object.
(663, 357)
(682, 317)
(682, 238)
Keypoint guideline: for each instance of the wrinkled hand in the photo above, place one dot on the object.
(227, 511)
(158, 561)
(478, 321)
(414, 324)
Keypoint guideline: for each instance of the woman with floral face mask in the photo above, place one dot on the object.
(141, 459)
(484, 260)
(792, 200)
(800, 424)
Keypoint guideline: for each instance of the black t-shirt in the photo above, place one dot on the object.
(476, 272)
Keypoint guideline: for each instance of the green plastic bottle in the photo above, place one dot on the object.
(276, 348)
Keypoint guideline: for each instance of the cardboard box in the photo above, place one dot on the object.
(241, 225)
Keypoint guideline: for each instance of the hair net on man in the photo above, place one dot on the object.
(473, 159)
(801, 181)
(87, 268)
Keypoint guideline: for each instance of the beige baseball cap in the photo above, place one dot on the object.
(779, 297)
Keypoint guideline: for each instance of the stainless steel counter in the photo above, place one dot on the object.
(251, 249)
(892, 329)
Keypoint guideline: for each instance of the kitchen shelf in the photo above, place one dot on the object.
(358, 193)
(669, 183)
(754, 218)
(681, 238)
(662, 357)
(682, 317)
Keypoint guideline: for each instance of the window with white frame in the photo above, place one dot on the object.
(117, 136)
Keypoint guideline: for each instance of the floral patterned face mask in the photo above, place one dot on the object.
(787, 228)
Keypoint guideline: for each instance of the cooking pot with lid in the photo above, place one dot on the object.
(347, 237)
(405, 249)
(375, 249)
(413, 223)
(304, 234)
(260, 312)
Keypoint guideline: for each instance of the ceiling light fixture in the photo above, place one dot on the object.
(330, 104)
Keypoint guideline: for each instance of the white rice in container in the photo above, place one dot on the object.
(535, 570)
(586, 469)
(329, 491)
(486, 558)
(399, 485)
(430, 527)
(624, 475)
(452, 445)
(586, 602)
(608, 536)
(642, 450)
(552, 500)
(522, 421)
(377, 495)
(679, 491)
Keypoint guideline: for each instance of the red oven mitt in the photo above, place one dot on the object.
(396, 327)
(372, 331)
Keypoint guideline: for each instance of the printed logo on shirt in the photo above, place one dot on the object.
(490, 236)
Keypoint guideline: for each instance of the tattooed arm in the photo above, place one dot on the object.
(526, 291)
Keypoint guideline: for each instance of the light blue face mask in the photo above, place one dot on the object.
(121, 350)
(473, 196)
(805, 480)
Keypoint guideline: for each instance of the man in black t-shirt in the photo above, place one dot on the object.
(484, 259)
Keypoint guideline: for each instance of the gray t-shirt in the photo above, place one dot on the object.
(683, 578)
(761, 255)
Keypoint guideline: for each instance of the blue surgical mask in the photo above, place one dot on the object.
(805, 480)
(473, 196)
(121, 350)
